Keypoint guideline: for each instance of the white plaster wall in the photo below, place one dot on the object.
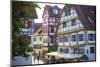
(60, 43)
(38, 41)
(66, 43)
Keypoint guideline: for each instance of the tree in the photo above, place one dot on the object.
(20, 44)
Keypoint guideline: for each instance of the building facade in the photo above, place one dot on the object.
(38, 43)
(77, 31)
(51, 17)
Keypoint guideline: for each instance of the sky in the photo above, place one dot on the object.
(40, 11)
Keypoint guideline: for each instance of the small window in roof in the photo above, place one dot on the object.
(55, 11)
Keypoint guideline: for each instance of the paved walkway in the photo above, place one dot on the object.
(36, 61)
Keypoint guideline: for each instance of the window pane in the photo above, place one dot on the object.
(64, 24)
(34, 39)
(40, 38)
(67, 12)
(81, 37)
(73, 38)
(43, 40)
(60, 39)
(75, 51)
(52, 29)
(92, 50)
(65, 38)
(46, 40)
(60, 49)
(73, 22)
(91, 37)
(55, 11)
(66, 50)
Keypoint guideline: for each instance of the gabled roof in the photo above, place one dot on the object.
(85, 13)
(36, 26)
(50, 10)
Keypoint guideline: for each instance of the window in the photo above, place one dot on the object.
(40, 38)
(73, 38)
(64, 24)
(46, 20)
(60, 49)
(91, 37)
(81, 37)
(57, 20)
(55, 11)
(36, 46)
(46, 40)
(65, 38)
(26, 24)
(67, 12)
(53, 19)
(50, 19)
(51, 39)
(75, 51)
(87, 51)
(66, 50)
(52, 29)
(92, 50)
(39, 46)
(73, 22)
(80, 51)
(60, 39)
(34, 39)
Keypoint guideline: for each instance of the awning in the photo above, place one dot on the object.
(65, 56)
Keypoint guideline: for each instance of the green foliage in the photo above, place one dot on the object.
(52, 49)
(20, 44)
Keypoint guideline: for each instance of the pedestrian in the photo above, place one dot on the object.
(38, 59)
(34, 59)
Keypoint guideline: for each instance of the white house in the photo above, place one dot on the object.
(76, 33)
